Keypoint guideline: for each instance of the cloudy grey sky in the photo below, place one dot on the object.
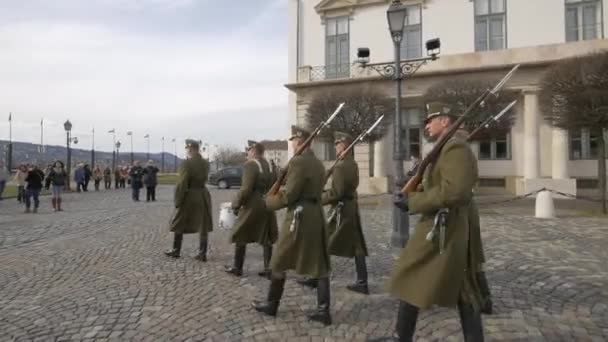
(210, 69)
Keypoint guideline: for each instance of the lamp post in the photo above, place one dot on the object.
(113, 131)
(162, 156)
(175, 155)
(131, 135)
(147, 136)
(117, 152)
(397, 71)
(69, 139)
(93, 150)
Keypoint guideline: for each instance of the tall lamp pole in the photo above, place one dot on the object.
(131, 135)
(175, 155)
(9, 151)
(93, 150)
(397, 71)
(162, 156)
(117, 152)
(113, 131)
(147, 136)
(69, 139)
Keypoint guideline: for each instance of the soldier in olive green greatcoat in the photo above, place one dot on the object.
(476, 254)
(437, 272)
(254, 223)
(345, 235)
(192, 202)
(302, 244)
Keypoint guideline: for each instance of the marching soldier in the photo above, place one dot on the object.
(192, 202)
(345, 236)
(254, 223)
(437, 272)
(302, 244)
(476, 255)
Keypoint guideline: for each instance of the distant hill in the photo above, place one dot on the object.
(29, 153)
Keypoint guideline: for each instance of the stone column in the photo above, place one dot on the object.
(380, 158)
(531, 138)
(559, 169)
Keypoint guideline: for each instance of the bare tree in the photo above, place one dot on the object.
(459, 93)
(228, 156)
(574, 96)
(363, 106)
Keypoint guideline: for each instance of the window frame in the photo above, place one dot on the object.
(405, 133)
(338, 73)
(580, 25)
(403, 45)
(493, 142)
(488, 18)
(585, 138)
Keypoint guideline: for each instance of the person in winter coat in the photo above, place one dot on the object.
(87, 177)
(4, 176)
(57, 178)
(124, 174)
(79, 177)
(20, 180)
(34, 180)
(107, 178)
(150, 181)
(136, 175)
(97, 176)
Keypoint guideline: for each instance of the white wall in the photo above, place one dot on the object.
(452, 21)
(536, 22)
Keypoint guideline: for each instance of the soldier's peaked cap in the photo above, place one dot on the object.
(435, 109)
(299, 132)
(192, 143)
(341, 137)
(251, 144)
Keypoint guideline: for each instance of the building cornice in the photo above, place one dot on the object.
(419, 74)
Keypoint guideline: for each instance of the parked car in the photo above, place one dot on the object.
(226, 177)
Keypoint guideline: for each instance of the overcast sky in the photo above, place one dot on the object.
(173, 68)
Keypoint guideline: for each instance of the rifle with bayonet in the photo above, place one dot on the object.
(495, 118)
(412, 183)
(277, 185)
(352, 145)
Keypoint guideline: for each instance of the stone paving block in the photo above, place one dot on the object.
(96, 271)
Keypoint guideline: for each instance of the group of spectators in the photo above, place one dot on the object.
(30, 181)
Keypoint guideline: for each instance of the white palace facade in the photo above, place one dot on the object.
(481, 39)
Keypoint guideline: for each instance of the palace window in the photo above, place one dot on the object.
(490, 25)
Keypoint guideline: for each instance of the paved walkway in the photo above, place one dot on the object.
(96, 272)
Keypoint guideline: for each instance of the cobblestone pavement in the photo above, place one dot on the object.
(97, 272)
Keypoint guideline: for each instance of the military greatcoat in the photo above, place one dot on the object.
(254, 222)
(345, 237)
(192, 198)
(423, 277)
(305, 249)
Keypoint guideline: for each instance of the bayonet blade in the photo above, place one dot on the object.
(504, 111)
(504, 80)
(333, 116)
(371, 129)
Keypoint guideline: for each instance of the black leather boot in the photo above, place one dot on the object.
(406, 321)
(361, 284)
(267, 256)
(202, 248)
(472, 328)
(177, 246)
(322, 314)
(308, 282)
(275, 292)
(239, 260)
(484, 287)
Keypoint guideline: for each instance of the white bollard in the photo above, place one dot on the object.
(544, 205)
